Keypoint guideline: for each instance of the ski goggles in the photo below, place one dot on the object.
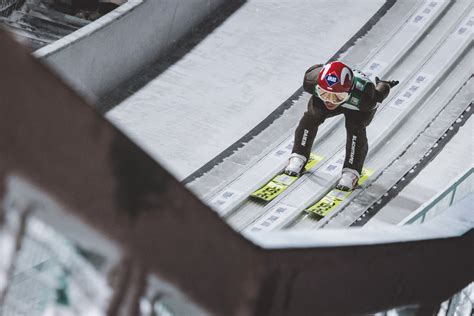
(333, 97)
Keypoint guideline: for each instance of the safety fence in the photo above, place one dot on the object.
(457, 190)
(46, 273)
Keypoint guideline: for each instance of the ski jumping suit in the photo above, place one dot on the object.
(358, 111)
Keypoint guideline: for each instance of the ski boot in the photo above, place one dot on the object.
(349, 179)
(295, 165)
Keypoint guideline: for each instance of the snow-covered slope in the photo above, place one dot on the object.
(235, 77)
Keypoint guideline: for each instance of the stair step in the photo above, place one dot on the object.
(41, 25)
(25, 36)
(53, 15)
(46, 26)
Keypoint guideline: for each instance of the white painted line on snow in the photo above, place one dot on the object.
(426, 12)
(277, 215)
(334, 166)
(222, 202)
(411, 91)
(466, 27)
(375, 68)
(284, 149)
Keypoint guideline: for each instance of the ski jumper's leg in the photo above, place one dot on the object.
(356, 138)
(308, 126)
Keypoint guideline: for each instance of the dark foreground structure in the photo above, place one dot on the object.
(61, 161)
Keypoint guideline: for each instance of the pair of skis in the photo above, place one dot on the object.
(278, 184)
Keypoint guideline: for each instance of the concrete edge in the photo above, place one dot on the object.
(95, 26)
(124, 41)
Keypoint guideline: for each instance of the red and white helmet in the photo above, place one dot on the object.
(335, 82)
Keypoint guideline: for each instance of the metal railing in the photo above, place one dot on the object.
(8, 6)
(47, 273)
(461, 187)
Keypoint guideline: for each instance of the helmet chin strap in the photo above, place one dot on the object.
(332, 106)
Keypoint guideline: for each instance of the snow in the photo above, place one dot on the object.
(7, 247)
(455, 158)
(235, 77)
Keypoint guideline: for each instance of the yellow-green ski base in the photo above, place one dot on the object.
(312, 161)
(278, 184)
(335, 197)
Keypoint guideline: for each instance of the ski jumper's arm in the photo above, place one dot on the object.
(374, 94)
(365, 95)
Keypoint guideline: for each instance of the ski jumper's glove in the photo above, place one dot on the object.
(391, 83)
(382, 88)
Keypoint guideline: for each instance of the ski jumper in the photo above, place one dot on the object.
(358, 110)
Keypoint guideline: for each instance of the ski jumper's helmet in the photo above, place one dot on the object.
(334, 82)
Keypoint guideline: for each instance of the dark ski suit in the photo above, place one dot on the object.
(358, 111)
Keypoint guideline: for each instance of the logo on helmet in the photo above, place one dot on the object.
(331, 79)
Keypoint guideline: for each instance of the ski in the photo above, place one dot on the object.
(335, 197)
(278, 184)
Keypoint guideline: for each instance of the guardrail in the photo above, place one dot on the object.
(48, 270)
(8, 6)
(457, 190)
